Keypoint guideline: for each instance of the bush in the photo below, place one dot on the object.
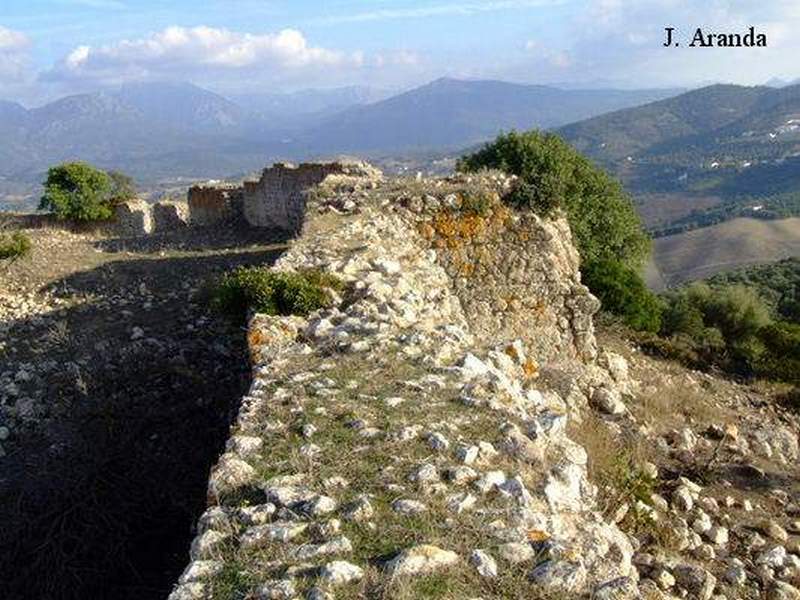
(623, 293)
(725, 324)
(554, 175)
(272, 292)
(781, 356)
(77, 191)
(122, 188)
(737, 311)
(476, 202)
(14, 246)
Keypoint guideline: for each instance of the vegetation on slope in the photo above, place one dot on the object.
(778, 284)
(746, 322)
(273, 292)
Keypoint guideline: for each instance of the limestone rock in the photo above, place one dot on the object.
(340, 572)
(421, 560)
(483, 563)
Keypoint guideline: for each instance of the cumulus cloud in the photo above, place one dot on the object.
(14, 59)
(182, 51)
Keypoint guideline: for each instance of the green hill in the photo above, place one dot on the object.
(739, 145)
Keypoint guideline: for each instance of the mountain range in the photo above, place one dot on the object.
(165, 130)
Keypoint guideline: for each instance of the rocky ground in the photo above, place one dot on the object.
(724, 493)
(116, 388)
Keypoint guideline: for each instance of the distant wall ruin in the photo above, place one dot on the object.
(170, 215)
(276, 200)
(134, 218)
(213, 204)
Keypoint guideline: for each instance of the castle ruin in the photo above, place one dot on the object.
(277, 200)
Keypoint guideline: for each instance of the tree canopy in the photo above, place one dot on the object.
(80, 192)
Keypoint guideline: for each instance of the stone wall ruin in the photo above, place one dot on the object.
(213, 204)
(170, 215)
(134, 218)
(277, 200)
(425, 375)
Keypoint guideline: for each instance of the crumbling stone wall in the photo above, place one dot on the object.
(517, 276)
(134, 218)
(170, 215)
(213, 204)
(278, 198)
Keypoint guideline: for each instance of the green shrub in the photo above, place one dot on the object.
(724, 324)
(477, 202)
(77, 191)
(14, 246)
(680, 348)
(622, 292)
(122, 188)
(737, 311)
(781, 356)
(272, 292)
(554, 175)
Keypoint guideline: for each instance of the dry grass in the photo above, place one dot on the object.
(615, 463)
(378, 467)
(674, 406)
(703, 252)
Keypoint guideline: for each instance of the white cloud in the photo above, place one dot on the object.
(11, 40)
(399, 58)
(14, 59)
(181, 51)
(558, 59)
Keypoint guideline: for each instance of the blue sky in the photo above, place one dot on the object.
(52, 47)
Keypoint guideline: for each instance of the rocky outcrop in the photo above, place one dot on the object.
(515, 274)
(398, 435)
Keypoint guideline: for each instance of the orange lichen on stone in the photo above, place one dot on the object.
(457, 228)
(531, 368)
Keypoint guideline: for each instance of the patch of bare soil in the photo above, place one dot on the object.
(117, 387)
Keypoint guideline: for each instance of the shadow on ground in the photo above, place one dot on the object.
(193, 239)
(101, 503)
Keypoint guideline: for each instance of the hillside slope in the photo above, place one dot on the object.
(739, 146)
(740, 242)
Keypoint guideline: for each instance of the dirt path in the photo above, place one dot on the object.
(117, 385)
